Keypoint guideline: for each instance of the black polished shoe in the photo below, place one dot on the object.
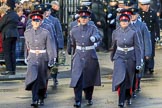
(151, 71)
(35, 104)
(8, 73)
(129, 102)
(134, 95)
(41, 102)
(121, 105)
(55, 82)
(77, 105)
(90, 102)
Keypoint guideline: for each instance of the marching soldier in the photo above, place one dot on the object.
(126, 55)
(149, 16)
(84, 76)
(145, 44)
(59, 37)
(40, 56)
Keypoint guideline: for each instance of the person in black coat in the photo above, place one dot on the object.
(8, 27)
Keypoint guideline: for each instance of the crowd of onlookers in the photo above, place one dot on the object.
(23, 9)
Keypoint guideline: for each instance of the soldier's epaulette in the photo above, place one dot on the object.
(44, 29)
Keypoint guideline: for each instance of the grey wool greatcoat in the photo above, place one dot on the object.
(38, 63)
(84, 62)
(125, 62)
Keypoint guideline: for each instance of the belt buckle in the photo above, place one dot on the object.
(83, 48)
(37, 52)
(125, 49)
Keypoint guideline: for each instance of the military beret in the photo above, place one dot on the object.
(36, 17)
(129, 2)
(144, 1)
(124, 17)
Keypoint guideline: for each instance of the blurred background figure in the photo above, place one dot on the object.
(156, 5)
(9, 33)
(149, 16)
(55, 9)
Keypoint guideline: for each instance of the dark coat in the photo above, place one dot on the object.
(152, 22)
(84, 62)
(125, 62)
(8, 25)
(38, 64)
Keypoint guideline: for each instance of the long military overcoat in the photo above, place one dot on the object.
(38, 63)
(125, 62)
(84, 62)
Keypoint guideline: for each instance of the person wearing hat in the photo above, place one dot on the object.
(8, 27)
(130, 4)
(150, 17)
(126, 56)
(40, 56)
(83, 76)
(110, 23)
(146, 47)
(59, 37)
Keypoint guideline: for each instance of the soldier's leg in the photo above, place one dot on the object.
(122, 94)
(151, 65)
(35, 89)
(88, 94)
(78, 93)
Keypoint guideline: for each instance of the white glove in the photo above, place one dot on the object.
(112, 21)
(109, 15)
(25, 61)
(92, 38)
(54, 61)
(157, 39)
(138, 67)
(95, 44)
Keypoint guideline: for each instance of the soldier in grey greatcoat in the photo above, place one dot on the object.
(84, 76)
(126, 55)
(59, 37)
(145, 42)
(146, 45)
(40, 56)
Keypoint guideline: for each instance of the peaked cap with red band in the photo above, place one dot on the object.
(124, 17)
(36, 16)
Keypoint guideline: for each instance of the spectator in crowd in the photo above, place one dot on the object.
(21, 30)
(55, 8)
(8, 27)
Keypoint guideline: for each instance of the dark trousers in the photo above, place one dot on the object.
(78, 91)
(124, 93)
(9, 47)
(36, 92)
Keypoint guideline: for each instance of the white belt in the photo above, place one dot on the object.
(37, 51)
(85, 48)
(125, 49)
